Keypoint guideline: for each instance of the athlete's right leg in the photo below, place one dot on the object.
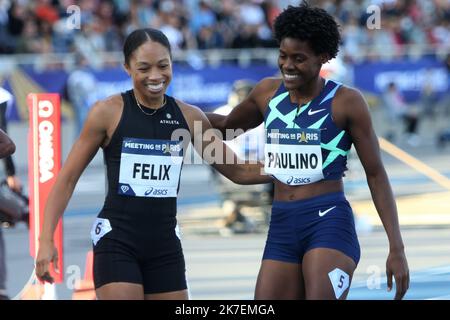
(280, 275)
(120, 291)
(117, 274)
(279, 280)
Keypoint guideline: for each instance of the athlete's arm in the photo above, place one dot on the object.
(7, 146)
(249, 113)
(215, 152)
(359, 125)
(92, 137)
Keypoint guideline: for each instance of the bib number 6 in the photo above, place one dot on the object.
(98, 228)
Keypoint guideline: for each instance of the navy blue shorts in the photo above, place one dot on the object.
(325, 221)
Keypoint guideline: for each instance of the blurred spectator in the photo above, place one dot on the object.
(44, 11)
(246, 38)
(253, 28)
(146, 13)
(13, 25)
(353, 38)
(203, 17)
(80, 84)
(428, 97)
(90, 42)
(271, 10)
(171, 27)
(13, 183)
(251, 14)
(227, 24)
(6, 100)
(108, 27)
(209, 38)
(443, 137)
(249, 145)
(446, 99)
(31, 41)
(133, 22)
(395, 109)
(398, 110)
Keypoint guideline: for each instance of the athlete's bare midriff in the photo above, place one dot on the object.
(284, 192)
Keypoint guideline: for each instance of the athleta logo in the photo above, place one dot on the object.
(321, 214)
(310, 112)
(163, 121)
(125, 189)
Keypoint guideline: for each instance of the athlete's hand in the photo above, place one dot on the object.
(397, 266)
(47, 253)
(14, 183)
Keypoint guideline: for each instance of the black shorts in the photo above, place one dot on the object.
(157, 264)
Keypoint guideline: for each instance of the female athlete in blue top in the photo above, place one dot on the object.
(312, 248)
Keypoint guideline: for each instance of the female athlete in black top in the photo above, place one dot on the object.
(143, 133)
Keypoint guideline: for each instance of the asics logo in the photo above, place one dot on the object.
(310, 112)
(289, 181)
(322, 213)
(156, 192)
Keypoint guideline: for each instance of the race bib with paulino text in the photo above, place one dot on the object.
(293, 156)
(150, 168)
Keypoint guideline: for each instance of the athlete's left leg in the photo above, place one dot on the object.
(120, 291)
(167, 282)
(172, 295)
(327, 273)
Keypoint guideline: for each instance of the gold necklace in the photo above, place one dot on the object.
(154, 111)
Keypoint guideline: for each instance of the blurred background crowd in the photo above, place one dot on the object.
(40, 26)
(396, 51)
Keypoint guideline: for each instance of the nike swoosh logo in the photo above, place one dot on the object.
(310, 112)
(322, 213)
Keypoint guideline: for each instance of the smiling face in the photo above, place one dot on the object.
(150, 68)
(298, 63)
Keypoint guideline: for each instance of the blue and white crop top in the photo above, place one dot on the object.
(303, 144)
